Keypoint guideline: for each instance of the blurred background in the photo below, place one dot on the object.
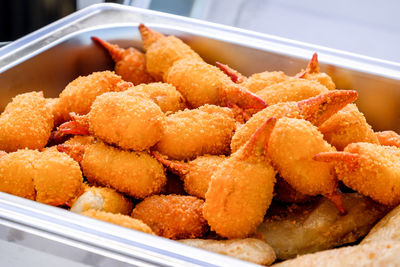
(366, 27)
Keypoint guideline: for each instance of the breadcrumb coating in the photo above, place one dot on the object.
(259, 81)
(172, 216)
(26, 122)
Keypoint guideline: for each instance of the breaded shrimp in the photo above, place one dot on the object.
(347, 126)
(119, 219)
(196, 174)
(49, 177)
(191, 133)
(130, 63)
(371, 169)
(163, 94)
(79, 94)
(172, 216)
(130, 122)
(136, 174)
(316, 110)
(312, 72)
(241, 189)
(388, 138)
(102, 199)
(25, 123)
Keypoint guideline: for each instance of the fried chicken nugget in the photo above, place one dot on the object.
(79, 94)
(374, 254)
(241, 189)
(191, 133)
(102, 199)
(130, 63)
(247, 249)
(172, 216)
(388, 138)
(347, 126)
(25, 123)
(371, 169)
(315, 109)
(119, 219)
(163, 94)
(129, 122)
(196, 174)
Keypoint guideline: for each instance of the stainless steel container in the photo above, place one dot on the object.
(50, 58)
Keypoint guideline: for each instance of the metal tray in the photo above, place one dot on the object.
(50, 58)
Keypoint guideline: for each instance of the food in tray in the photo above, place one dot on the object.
(261, 162)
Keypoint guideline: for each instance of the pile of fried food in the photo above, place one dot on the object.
(262, 168)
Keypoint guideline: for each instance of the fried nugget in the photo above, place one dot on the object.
(79, 94)
(192, 133)
(163, 94)
(247, 249)
(241, 189)
(25, 123)
(119, 219)
(130, 63)
(102, 199)
(172, 216)
(347, 126)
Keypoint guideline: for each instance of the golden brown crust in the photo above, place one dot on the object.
(172, 216)
(259, 81)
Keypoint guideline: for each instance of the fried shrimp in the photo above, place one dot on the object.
(25, 123)
(102, 199)
(347, 126)
(136, 174)
(79, 94)
(241, 189)
(316, 110)
(388, 138)
(312, 72)
(172, 216)
(373, 170)
(130, 122)
(130, 63)
(196, 174)
(191, 133)
(163, 94)
(119, 219)
(49, 177)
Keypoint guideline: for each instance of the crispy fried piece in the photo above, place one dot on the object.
(80, 140)
(120, 219)
(79, 94)
(247, 249)
(130, 63)
(291, 90)
(130, 122)
(54, 105)
(312, 72)
(102, 199)
(163, 94)
(192, 133)
(25, 123)
(388, 138)
(287, 194)
(374, 254)
(240, 190)
(347, 126)
(172, 216)
(136, 174)
(373, 170)
(162, 51)
(315, 109)
(196, 174)
(307, 228)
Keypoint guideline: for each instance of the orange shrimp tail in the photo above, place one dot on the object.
(240, 115)
(179, 168)
(244, 98)
(114, 50)
(336, 198)
(350, 159)
(312, 67)
(235, 76)
(149, 36)
(79, 125)
(320, 108)
(258, 143)
(74, 151)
